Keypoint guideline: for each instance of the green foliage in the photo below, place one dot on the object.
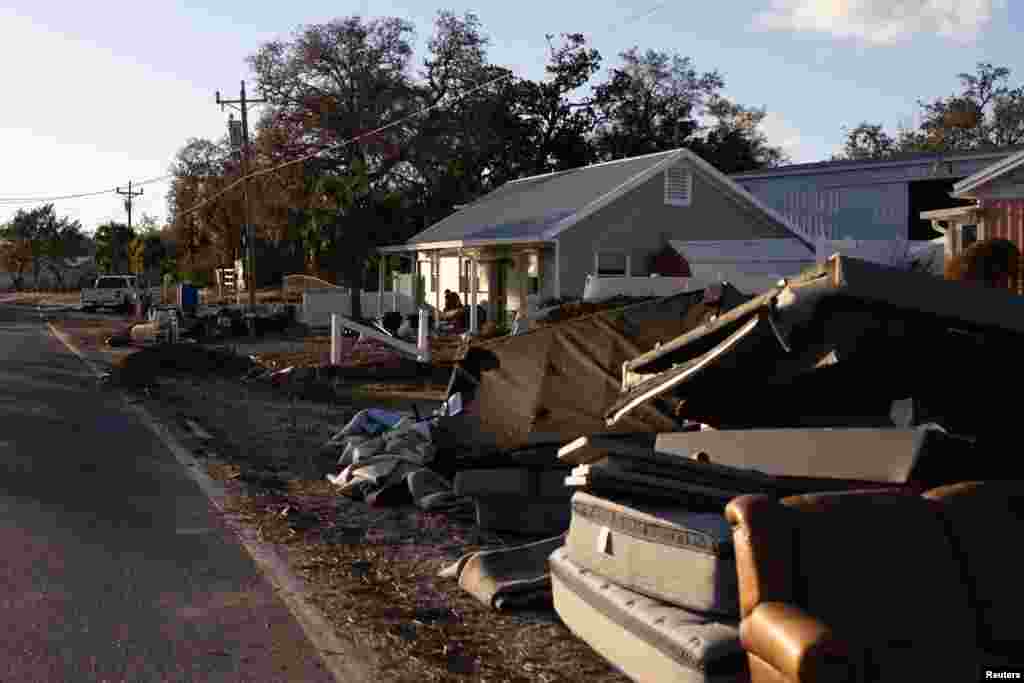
(987, 113)
(347, 78)
(112, 240)
(38, 239)
(146, 252)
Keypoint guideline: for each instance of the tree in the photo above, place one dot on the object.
(473, 143)
(330, 83)
(657, 101)
(112, 240)
(146, 252)
(15, 253)
(651, 103)
(868, 141)
(62, 240)
(734, 142)
(987, 113)
(206, 220)
(38, 239)
(557, 125)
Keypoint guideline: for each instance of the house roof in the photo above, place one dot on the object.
(895, 160)
(988, 174)
(541, 207)
(743, 251)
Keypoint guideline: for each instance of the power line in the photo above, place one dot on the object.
(29, 200)
(5, 201)
(11, 201)
(255, 174)
(339, 145)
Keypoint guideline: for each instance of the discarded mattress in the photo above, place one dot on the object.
(533, 383)
(799, 354)
(646, 639)
(509, 576)
(664, 551)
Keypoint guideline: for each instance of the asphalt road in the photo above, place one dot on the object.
(113, 564)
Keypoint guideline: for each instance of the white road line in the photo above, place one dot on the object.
(343, 659)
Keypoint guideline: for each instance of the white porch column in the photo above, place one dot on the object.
(394, 290)
(458, 286)
(947, 238)
(415, 280)
(558, 270)
(491, 270)
(385, 260)
(522, 275)
(435, 277)
(474, 280)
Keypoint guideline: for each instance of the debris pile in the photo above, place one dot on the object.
(837, 381)
(384, 459)
(141, 369)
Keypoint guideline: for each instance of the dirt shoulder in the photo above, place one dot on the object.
(40, 298)
(372, 571)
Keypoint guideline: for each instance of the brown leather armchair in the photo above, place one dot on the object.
(851, 586)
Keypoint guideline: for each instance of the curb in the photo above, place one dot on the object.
(342, 659)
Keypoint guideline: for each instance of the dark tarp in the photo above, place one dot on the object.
(555, 382)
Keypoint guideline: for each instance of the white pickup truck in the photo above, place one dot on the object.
(112, 291)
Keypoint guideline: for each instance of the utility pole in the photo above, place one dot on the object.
(128, 202)
(250, 232)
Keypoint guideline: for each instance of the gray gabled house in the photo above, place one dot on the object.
(538, 238)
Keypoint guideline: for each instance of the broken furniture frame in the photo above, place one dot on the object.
(420, 351)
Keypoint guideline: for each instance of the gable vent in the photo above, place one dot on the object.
(678, 186)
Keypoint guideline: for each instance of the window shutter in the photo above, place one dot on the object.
(678, 186)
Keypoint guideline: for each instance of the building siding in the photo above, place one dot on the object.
(640, 224)
(866, 203)
(1004, 219)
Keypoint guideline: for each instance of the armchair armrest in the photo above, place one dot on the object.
(796, 645)
(764, 542)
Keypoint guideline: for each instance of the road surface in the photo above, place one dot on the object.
(115, 567)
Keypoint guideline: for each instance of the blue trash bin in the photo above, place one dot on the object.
(188, 298)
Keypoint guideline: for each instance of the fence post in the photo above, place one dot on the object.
(335, 339)
(423, 338)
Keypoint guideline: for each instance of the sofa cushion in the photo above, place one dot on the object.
(880, 570)
(986, 520)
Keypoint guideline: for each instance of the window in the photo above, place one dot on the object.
(464, 283)
(678, 186)
(611, 264)
(532, 284)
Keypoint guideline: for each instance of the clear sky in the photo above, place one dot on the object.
(102, 92)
